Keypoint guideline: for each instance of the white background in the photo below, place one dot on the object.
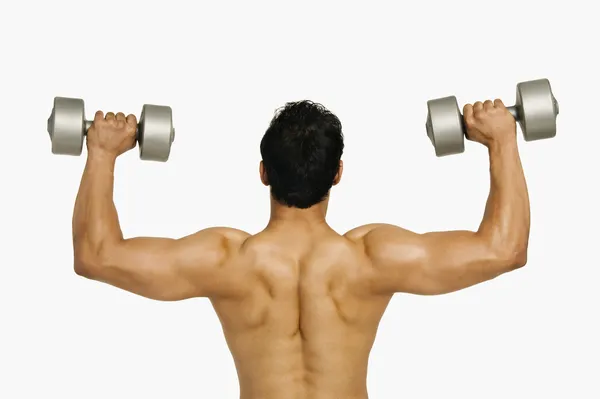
(224, 69)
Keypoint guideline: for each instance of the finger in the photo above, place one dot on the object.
(131, 120)
(110, 116)
(488, 104)
(98, 116)
(498, 103)
(478, 106)
(120, 117)
(468, 111)
(468, 115)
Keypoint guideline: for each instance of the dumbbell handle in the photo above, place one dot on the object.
(514, 112)
(88, 124)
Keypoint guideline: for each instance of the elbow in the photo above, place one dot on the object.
(512, 258)
(520, 258)
(516, 260)
(86, 266)
(90, 263)
(507, 253)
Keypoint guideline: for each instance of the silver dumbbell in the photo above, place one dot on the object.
(67, 126)
(535, 109)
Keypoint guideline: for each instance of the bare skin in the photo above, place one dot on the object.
(299, 303)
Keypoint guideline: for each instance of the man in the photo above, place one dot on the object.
(299, 303)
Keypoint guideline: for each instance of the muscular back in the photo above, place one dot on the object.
(305, 323)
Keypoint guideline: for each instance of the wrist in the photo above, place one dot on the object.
(101, 157)
(500, 147)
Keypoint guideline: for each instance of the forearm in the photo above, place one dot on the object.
(506, 221)
(95, 220)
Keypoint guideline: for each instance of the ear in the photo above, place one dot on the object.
(338, 175)
(263, 174)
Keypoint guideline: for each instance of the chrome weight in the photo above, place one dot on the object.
(535, 109)
(67, 127)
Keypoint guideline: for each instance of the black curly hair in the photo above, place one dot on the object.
(301, 152)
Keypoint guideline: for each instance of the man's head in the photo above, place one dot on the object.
(301, 152)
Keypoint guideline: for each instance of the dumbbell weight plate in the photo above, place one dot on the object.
(445, 126)
(537, 109)
(66, 126)
(155, 133)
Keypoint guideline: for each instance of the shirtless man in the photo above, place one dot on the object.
(299, 303)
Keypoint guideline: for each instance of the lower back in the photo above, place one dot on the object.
(295, 368)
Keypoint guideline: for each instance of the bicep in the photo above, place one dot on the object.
(431, 263)
(165, 269)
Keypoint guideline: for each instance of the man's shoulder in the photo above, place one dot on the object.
(377, 236)
(233, 233)
(360, 232)
(228, 237)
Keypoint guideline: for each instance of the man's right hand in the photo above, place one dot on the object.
(489, 123)
(112, 134)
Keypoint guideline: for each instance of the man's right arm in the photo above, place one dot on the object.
(443, 262)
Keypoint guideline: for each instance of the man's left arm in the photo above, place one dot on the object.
(157, 268)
